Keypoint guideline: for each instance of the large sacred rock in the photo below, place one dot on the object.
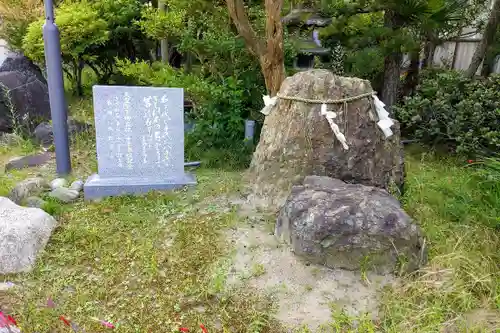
(297, 139)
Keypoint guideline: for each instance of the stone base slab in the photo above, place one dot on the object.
(97, 187)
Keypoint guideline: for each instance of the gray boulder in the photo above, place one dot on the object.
(24, 232)
(350, 226)
(44, 134)
(34, 202)
(27, 188)
(19, 63)
(58, 182)
(24, 102)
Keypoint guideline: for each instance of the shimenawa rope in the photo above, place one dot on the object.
(384, 122)
(326, 101)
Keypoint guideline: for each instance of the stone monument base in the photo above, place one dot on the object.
(99, 187)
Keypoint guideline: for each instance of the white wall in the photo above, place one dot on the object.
(465, 50)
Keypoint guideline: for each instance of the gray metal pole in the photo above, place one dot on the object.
(163, 42)
(58, 108)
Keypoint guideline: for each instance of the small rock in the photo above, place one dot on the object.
(69, 289)
(200, 309)
(27, 188)
(64, 194)
(22, 162)
(77, 127)
(34, 202)
(58, 182)
(44, 135)
(218, 324)
(24, 232)
(77, 185)
(4, 286)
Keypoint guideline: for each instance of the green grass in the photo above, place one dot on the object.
(159, 262)
(145, 264)
(22, 148)
(236, 157)
(456, 208)
(458, 192)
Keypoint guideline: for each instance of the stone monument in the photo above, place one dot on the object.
(140, 141)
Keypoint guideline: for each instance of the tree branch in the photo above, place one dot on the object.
(274, 27)
(240, 19)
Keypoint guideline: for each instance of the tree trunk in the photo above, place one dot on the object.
(273, 64)
(274, 73)
(188, 63)
(429, 50)
(392, 72)
(488, 37)
(77, 74)
(392, 66)
(164, 41)
(412, 77)
(270, 53)
(488, 63)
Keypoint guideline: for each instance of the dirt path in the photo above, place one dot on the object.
(305, 294)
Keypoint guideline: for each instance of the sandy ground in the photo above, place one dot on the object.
(306, 294)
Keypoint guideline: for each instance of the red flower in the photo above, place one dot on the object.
(107, 324)
(203, 328)
(470, 161)
(184, 329)
(12, 320)
(65, 320)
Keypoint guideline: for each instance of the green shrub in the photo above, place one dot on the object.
(157, 25)
(449, 109)
(366, 63)
(16, 17)
(93, 34)
(81, 29)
